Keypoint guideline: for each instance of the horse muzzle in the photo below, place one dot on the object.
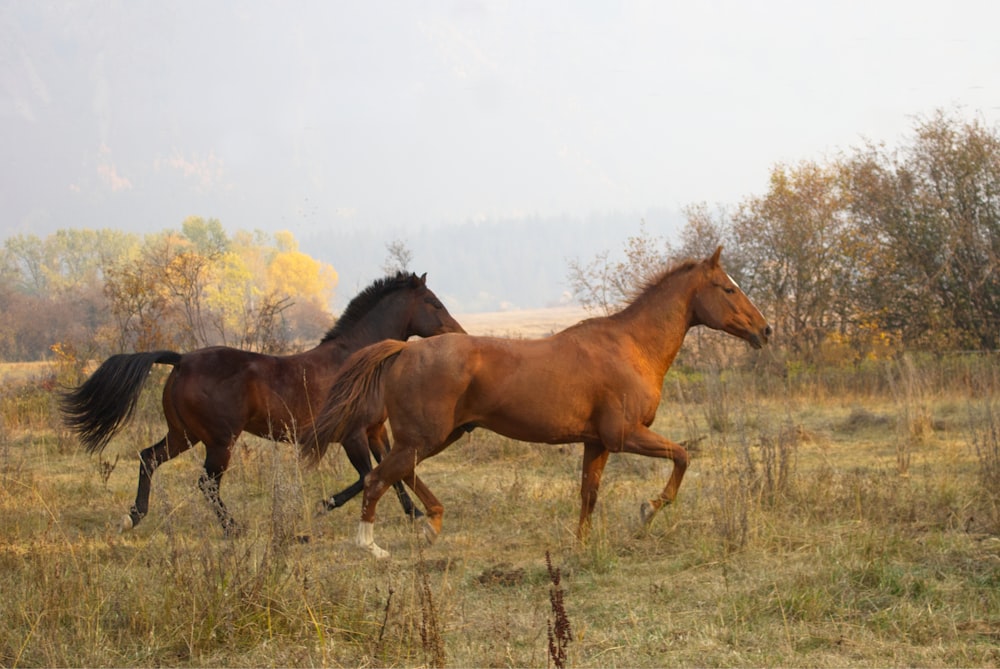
(758, 339)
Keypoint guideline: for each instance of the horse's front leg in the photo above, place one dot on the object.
(595, 456)
(644, 441)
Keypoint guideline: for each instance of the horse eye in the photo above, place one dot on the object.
(729, 290)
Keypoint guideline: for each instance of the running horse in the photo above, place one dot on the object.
(214, 394)
(597, 382)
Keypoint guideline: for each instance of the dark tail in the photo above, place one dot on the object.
(355, 401)
(105, 402)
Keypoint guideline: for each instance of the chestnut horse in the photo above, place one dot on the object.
(597, 382)
(213, 394)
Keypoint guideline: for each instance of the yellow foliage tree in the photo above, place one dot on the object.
(230, 297)
(293, 273)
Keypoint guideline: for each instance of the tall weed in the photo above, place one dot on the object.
(914, 425)
(985, 430)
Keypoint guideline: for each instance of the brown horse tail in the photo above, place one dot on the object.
(355, 401)
(105, 402)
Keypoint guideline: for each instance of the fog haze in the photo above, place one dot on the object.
(446, 123)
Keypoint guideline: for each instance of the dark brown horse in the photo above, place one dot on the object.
(597, 382)
(213, 394)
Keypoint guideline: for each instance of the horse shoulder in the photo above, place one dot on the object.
(624, 375)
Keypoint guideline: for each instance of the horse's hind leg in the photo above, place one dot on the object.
(435, 510)
(216, 462)
(357, 450)
(399, 465)
(341, 498)
(149, 459)
(379, 442)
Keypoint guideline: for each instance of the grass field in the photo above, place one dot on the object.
(848, 519)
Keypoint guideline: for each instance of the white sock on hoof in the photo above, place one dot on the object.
(366, 540)
(126, 523)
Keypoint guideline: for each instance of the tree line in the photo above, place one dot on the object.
(106, 291)
(874, 251)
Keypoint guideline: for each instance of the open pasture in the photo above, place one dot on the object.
(848, 518)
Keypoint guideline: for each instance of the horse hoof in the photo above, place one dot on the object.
(322, 507)
(127, 523)
(232, 529)
(376, 551)
(646, 513)
(430, 534)
(366, 539)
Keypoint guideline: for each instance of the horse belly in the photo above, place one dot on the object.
(530, 395)
(535, 412)
(542, 431)
(277, 412)
(273, 423)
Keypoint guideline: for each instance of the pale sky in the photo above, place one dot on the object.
(310, 116)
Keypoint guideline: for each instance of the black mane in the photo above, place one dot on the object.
(366, 300)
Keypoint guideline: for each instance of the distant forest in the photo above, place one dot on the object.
(490, 265)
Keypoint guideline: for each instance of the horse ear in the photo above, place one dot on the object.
(714, 260)
(423, 279)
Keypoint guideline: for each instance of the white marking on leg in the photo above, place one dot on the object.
(366, 540)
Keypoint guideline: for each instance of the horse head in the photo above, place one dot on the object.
(427, 315)
(721, 305)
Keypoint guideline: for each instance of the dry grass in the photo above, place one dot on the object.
(796, 540)
(19, 373)
(525, 323)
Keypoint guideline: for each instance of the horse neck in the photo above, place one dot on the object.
(659, 319)
(376, 325)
